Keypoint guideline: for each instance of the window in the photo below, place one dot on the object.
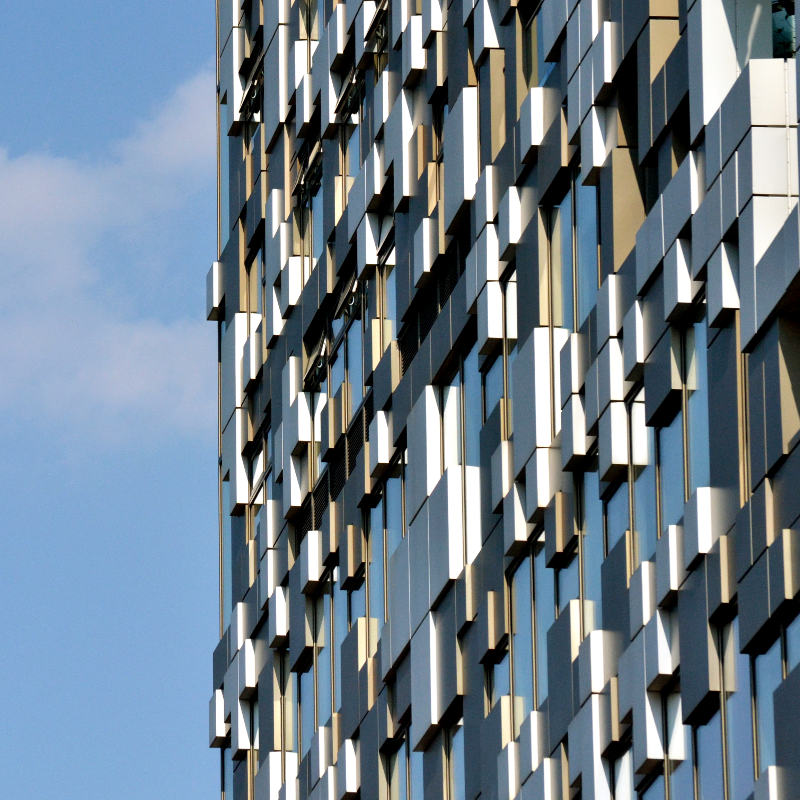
(454, 762)
(497, 376)
(521, 642)
(386, 531)
(347, 351)
(769, 670)
(376, 566)
(309, 224)
(783, 29)
(397, 771)
(287, 693)
(252, 753)
(621, 776)
(573, 274)
(591, 542)
(226, 559)
(523, 671)
(316, 683)
(387, 299)
(459, 446)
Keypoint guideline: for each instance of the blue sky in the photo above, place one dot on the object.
(107, 411)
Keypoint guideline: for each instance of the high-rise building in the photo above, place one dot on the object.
(509, 400)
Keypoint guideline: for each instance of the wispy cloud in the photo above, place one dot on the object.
(85, 251)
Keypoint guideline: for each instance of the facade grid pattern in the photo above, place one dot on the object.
(507, 301)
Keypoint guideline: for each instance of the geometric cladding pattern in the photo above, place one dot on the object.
(507, 296)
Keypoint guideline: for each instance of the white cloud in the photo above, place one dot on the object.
(81, 351)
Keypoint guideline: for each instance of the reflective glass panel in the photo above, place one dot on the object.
(708, 758)
(354, 365)
(451, 420)
(617, 516)
(472, 407)
(670, 453)
(457, 788)
(568, 586)
(623, 777)
(768, 674)
(655, 791)
(522, 641)
(697, 385)
(739, 721)
(306, 703)
(792, 644)
(318, 226)
(544, 592)
(586, 240)
(375, 565)
(492, 386)
(644, 501)
(561, 263)
(324, 655)
(593, 545)
(393, 500)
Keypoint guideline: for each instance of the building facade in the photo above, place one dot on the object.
(509, 406)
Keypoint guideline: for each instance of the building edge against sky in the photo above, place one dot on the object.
(509, 405)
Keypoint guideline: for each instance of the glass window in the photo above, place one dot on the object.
(492, 386)
(375, 565)
(697, 388)
(393, 504)
(681, 776)
(417, 777)
(792, 644)
(324, 654)
(227, 773)
(561, 286)
(522, 642)
(355, 371)
(397, 773)
(670, 456)
(451, 423)
(337, 372)
(455, 762)
(738, 722)
(567, 584)
(708, 759)
(356, 604)
(622, 776)
(768, 675)
(340, 630)
(227, 564)
(501, 679)
(317, 227)
(472, 408)
(783, 29)
(305, 702)
(592, 543)
(390, 298)
(645, 501)
(544, 608)
(617, 516)
(655, 791)
(586, 238)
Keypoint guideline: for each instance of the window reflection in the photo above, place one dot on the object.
(697, 390)
(592, 543)
(768, 675)
(617, 516)
(522, 642)
(544, 613)
(708, 759)
(670, 455)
